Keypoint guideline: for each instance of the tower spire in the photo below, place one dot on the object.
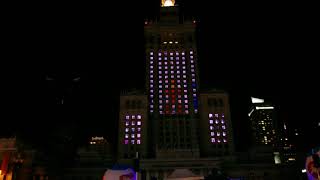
(167, 3)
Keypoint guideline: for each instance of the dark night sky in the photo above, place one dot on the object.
(267, 50)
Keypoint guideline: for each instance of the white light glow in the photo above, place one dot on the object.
(256, 100)
(250, 112)
(264, 107)
(168, 3)
(303, 170)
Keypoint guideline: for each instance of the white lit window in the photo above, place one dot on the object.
(185, 101)
(179, 101)
(160, 81)
(165, 58)
(127, 117)
(132, 141)
(185, 96)
(182, 53)
(126, 136)
(213, 140)
(177, 54)
(192, 70)
(151, 95)
(185, 85)
(185, 91)
(159, 54)
(133, 123)
(171, 54)
(210, 115)
(139, 117)
(172, 67)
(160, 106)
(127, 123)
(138, 135)
(184, 81)
(166, 72)
(171, 62)
(186, 106)
(191, 61)
(151, 85)
(132, 135)
(191, 57)
(186, 111)
(151, 90)
(159, 58)
(223, 127)
(133, 117)
(171, 58)
(139, 129)
(166, 67)
(160, 91)
(127, 129)
(184, 72)
(177, 62)
(151, 76)
(138, 141)
(183, 67)
(224, 140)
(193, 80)
(151, 53)
(194, 95)
(166, 86)
(165, 63)
(160, 96)
(191, 52)
(151, 62)
(193, 75)
(132, 129)
(211, 127)
(211, 121)
(212, 133)
(183, 62)
(192, 66)
(178, 76)
(183, 58)
(179, 86)
(160, 86)
(172, 76)
(160, 101)
(151, 67)
(224, 133)
(139, 123)
(217, 121)
(160, 72)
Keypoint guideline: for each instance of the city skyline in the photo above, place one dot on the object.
(266, 77)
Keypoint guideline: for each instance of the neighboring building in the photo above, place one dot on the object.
(133, 123)
(216, 135)
(263, 123)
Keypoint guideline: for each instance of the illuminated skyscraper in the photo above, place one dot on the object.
(263, 123)
(172, 82)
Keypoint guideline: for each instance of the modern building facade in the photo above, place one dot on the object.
(263, 122)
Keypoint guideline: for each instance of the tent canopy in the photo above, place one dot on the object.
(183, 174)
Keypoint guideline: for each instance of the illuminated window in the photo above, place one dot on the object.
(212, 133)
(126, 136)
(211, 121)
(191, 57)
(224, 133)
(132, 141)
(211, 128)
(127, 117)
(127, 123)
(191, 52)
(184, 72)
(223, 127)
(224, 140)
(138, 141)
(159, 54)
(139, 129)
(133, 123)
(213, 140)
(182, 53)
(191, 61)
(139, 123)
(151, 53)
(132, 136)
(127, 129)
(132, 129)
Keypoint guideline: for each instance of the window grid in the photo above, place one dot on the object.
(132, 132)
(217, 128)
